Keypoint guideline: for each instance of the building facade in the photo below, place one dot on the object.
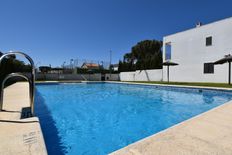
(115, 67)
(196, 49)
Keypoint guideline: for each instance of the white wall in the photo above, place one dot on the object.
(188, 49)
(143, 75)
(112, 77)
(127, 76)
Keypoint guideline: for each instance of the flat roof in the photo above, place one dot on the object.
(203, 25)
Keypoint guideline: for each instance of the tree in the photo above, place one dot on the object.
(146, 54)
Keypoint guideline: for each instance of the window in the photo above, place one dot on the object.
(208, 68)
(167, 51)
(208, 41)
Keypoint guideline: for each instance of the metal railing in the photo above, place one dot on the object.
(31, 80)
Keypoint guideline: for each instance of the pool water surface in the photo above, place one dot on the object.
(100, 118)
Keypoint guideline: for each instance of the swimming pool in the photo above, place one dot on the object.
(100, 118)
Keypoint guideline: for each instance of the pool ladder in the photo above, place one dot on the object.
(30, 79)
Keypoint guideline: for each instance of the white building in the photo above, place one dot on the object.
(115, 67)
(195, 50)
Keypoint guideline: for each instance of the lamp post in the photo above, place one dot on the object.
(63, 64)
(36, 66)
(110, 61)
(71, 64)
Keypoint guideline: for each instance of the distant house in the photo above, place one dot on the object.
(90, 66)
(115, 67)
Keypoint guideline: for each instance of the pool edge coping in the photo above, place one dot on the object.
(171, 85)
(137, 83)
(28, 140)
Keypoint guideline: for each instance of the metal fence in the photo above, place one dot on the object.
(77, 63)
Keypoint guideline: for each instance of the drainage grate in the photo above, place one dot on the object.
(26, 113)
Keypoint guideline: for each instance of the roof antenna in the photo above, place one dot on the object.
(199, 24)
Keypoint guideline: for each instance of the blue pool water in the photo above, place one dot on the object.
(101, 118)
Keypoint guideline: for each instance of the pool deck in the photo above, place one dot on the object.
(209, 133)
(19, 136)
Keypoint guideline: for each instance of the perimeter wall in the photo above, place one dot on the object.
(143, 75)
(78, 77)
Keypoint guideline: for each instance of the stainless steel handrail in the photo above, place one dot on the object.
(11, 76)
(31, 82)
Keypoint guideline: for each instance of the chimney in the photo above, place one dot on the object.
(199, 24)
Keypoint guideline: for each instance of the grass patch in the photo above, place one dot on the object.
(222, 85)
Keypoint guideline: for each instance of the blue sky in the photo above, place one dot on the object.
(52, 31)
